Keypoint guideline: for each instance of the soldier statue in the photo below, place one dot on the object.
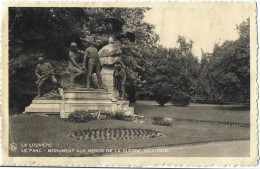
(120, 79)
(44, 73)
(76, 69)
(91, 60)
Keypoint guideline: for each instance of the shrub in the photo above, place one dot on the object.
(85, 116)
(159, 120)
(119, 115)
(162, 93)
(124, 116)
(181, 99)
(80, 116)
(131, 93)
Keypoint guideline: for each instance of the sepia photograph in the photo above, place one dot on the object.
(175, 80)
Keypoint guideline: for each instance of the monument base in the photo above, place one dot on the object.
(80, 99)
(44, 106)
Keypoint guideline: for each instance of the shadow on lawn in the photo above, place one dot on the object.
(234, 108)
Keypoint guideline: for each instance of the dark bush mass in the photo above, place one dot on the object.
(180, 99)
(162, 93)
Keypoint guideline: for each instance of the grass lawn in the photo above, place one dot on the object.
(31, 128)
(224, 113)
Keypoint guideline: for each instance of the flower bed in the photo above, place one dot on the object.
(114, 133)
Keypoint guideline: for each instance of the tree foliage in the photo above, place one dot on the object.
(176, 68)
(225, 74)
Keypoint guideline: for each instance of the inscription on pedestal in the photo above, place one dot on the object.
(74, 107)
(87, 95)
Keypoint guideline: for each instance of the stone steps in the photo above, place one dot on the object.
(46, 101)
(43, 107)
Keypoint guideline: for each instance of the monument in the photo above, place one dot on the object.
(105, 91)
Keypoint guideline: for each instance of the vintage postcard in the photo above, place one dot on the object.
(129, 84)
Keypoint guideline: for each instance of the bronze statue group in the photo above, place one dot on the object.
(91, 64)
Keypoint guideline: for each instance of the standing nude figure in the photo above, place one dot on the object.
(91, 54)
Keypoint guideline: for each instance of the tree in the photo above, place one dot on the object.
(225, 76)
(173, 68)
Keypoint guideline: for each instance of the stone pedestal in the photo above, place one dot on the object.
(44, 106)
(108, 80)
(107, 77)
(80, 99)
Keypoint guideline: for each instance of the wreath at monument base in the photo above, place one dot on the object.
(85, 116)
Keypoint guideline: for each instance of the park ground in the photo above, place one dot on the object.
(197, 130)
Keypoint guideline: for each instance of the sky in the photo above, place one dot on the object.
(205, 25)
